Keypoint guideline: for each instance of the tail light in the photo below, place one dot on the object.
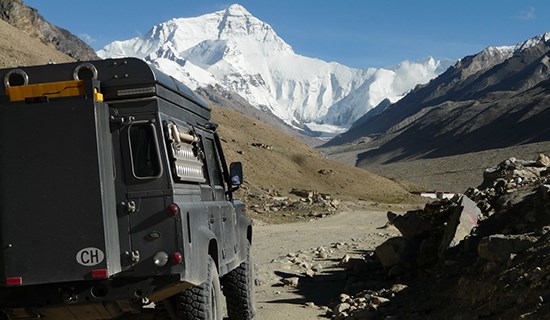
(100, 274)
(14, 281)
(177, 258)
(173, 209)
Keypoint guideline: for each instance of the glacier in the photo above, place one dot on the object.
(238, 52)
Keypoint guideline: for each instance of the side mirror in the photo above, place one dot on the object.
(236, 174)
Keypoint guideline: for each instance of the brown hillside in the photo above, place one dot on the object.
(275, 161)
(19, 49)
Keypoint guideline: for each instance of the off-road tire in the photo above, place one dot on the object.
(201, 302)
(238, 288)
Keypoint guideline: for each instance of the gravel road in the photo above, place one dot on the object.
(288, 251)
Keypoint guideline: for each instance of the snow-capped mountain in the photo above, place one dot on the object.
(236, 51)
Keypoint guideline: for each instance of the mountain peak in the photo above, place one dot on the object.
(237, 10)
(238, 25)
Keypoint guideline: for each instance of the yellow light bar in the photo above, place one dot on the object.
(60, 89)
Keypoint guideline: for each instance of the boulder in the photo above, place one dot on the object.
(396, 251)
(542, 160)
(461, 222)
(499, 247)
(411, 224)
(293, 281)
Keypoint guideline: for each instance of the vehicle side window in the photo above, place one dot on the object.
(145, 153)
(212, 160)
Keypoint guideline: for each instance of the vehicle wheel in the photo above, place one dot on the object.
(201, 302)
(238, 288)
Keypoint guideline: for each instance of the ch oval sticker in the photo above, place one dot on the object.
(90, 256)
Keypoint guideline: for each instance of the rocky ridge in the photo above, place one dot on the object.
(31, 22)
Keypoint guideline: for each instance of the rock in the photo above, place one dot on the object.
(394, 251)
(293, 281)
(411, 225)
(279, 198)
(322, 255)
(391, 216)
(308, 194)
(317, 268)
(542, 160)
(461, 222)
(310, 305)
(324, 308)
(396, 288)
(261, 145)
(344, 297)
(310, 273)
(341, 316)
(338, 245)
(325, 171)
(379, 300)
(341, 308)
(319, 200)
(258, 282)
(344, 261)
(500, 247)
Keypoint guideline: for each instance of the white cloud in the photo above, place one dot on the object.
(527, 15)
(87, 38)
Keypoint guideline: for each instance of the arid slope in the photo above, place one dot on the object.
(274, 160)
(19, 49)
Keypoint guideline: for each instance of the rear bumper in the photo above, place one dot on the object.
(104, 299)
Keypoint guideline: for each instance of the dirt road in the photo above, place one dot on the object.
(288, 251)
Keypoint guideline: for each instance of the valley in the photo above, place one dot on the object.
(451, 173)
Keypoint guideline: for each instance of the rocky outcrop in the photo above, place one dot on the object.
(27, 19)
(427, 234)
(485, 254)
(268, 204)
(501, 248)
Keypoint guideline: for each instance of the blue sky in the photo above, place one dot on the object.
(357, 33)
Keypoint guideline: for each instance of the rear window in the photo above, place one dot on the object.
(145, 151)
